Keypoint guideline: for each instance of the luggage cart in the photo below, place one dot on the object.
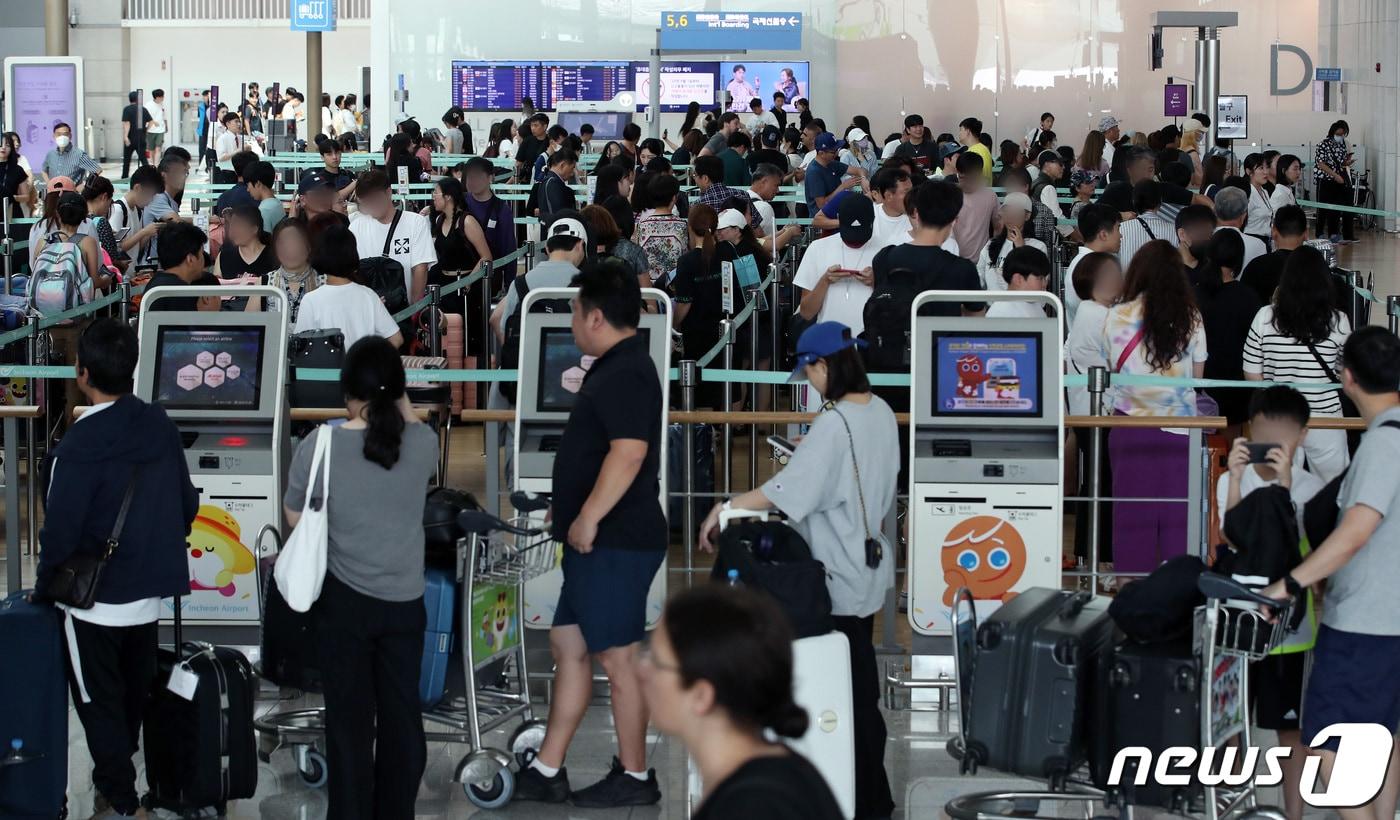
(1231, 631)
(494, 560)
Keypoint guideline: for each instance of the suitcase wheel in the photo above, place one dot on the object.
(315, 771)
(493, 794)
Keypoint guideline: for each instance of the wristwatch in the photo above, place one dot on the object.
(1291, 584)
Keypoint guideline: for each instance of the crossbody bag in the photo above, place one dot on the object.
(75, 580)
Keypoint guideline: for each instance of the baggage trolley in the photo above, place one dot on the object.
(1229, 632)
(494, 560)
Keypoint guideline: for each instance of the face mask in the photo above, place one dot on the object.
(61, 142)
(1199, 249)
(1339, 137)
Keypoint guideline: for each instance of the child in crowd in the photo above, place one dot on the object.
(1278, 416)
(1025, 269)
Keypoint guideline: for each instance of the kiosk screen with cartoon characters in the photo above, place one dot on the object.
(209, 368)
(987, 374)
(562, 367)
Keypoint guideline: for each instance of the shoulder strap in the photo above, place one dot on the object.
(120, 523)
(126, 212)
(393, 226)
(1128, 350)
(521, 289)
(1143, 223)
(1322, 363)
(860, 493)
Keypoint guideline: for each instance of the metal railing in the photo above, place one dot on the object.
(203, 10)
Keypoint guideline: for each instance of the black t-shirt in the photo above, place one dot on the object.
(1227, 313)
(620, 399)
(530, 148)
(1263, 274)
(700, 286)
(164, 278)
(772, 788)
(939, 270)
(137, 116)
(772, 156)
(1118, 196)
(925, 153)
(1173, 194)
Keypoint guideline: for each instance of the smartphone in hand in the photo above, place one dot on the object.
(1259, 451)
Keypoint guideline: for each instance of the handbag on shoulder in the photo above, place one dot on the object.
(75, 580)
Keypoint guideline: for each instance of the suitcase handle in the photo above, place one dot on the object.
(1075, 603)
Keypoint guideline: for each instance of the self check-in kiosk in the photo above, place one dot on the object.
(551, 372)
(221, 378)
(985, 477)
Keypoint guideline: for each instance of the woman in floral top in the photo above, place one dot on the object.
(1156, 330)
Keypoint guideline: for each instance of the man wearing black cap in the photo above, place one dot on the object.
(766, 150)
(917, 144)
(316, 194)
(495, 215)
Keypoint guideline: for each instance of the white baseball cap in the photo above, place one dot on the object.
(856, 135)
(1016, 199)
(731, 218)
(566, 226)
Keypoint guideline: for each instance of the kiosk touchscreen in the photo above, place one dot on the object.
(552, 370)
(985, 471)
(221, 377)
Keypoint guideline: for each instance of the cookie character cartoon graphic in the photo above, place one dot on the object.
(217, 554)
(985, 554)
(970, 376)
(495, 625)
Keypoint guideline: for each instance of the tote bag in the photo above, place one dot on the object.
(301, 568)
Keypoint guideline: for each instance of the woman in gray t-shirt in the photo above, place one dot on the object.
(370, 618)
(835, 491)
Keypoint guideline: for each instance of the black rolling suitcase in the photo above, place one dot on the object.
(1149, 696)
(315, 349)
(704, 458)
(33, 710)
(1036, 662)
(200, 751)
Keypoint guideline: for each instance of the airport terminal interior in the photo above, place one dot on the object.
(719, 408)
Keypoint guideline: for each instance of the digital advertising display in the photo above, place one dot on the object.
(745, 80)
(41, 93)
(590, 81)
(496, 86)
(607, 125)
(209, 368)
(987, 374)
(681, 84)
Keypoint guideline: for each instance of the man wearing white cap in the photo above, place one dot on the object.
(1108, 126)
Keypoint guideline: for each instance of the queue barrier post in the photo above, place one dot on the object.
(31, 439)
(124, 306)
(726, 328)
(529, 256)
(775, 334)
(434, 321)
(6, 244)
(753, 390)
(688, 378)
(1098, 386)
(484, 360)
(1392, 313)
(12, 548)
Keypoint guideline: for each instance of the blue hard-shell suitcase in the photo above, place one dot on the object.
(440, 600)
(33, 711)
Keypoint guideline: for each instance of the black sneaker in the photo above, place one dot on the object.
(619, 789)
(532, 785)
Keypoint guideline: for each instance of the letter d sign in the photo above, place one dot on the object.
(1363, 755)
(1303, 84)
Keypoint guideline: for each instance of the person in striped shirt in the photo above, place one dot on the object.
(1298, 340)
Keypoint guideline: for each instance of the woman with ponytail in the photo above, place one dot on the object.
(696, 287)
(370, 619)
(716, 675)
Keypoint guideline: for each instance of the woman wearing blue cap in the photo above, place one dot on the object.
(835, 491)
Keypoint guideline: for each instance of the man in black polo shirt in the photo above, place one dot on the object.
(180, 250)
(607, 511)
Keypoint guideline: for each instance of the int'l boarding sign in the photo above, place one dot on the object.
(313, 15)
(731, 30)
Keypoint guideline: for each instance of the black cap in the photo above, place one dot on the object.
(857, 219)
(771, 136)
(315, 180)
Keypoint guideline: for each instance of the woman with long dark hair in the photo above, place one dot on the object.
(648, 149)
(692, 143)
(613, 180)
(1091, 157)
(401, 154)
(697, 291)
(369, 619)
(1261, 209)
(1288, 171)
(246, 250)
(839, 479)
(14, 180)
(1298, 339)
(1155, 330)
(1332, 163)
(459, 241)
(717, 674)
(1227, 308)
(1214, 169)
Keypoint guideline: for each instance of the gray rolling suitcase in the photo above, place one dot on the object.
(1036, 660)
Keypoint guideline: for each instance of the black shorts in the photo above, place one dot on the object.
(1276, 690)
(605, 595)
(1355, 679)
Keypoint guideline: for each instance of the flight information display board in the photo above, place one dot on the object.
(589, 81)
(681, 83)
(497, 86)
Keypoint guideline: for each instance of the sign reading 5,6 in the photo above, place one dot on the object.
(677, 20)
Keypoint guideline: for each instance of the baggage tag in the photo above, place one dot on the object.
(402, 182)
(726, 285)
(183, 681)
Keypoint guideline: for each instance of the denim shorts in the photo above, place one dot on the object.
(605, 595)
(1355, 679)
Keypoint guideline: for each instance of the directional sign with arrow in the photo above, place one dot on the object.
(731, 31)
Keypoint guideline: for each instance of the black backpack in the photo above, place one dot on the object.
(1320, 514)
(771, 556)
(887, 320)
(383, 274)
(1160, 607)
(510, 348)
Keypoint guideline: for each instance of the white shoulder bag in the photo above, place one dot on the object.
(301, 567)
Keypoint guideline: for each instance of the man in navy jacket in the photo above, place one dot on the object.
(112, 647)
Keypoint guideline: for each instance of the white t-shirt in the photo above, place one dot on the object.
(157, 113)
(898, 230)
(354, 310)
(765, 214)
(990, 270)
(349, 126)
(1015, 310)
(845, 300)
(758, 122)
(226, 146)
(412, 245)
(1085, 349)
(1072, 298)
(1305, 485)
(1282, 197)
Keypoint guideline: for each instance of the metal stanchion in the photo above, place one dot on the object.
(12, 548)
(124, 305)
(6, 245)
(1392, 312)
(31, 438)
(776, 334)
(727, 330)
(1098, 385)
(753, 393)
(434, 321)
(483, 389)
(530, 256)
(688, 524)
